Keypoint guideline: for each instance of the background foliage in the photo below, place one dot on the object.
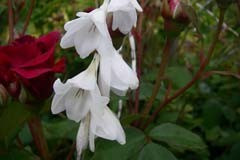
(201, 124)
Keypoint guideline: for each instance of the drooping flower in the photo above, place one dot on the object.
(82, 100)
(124, 14)
(115, 74)
(31, 62)
(87, 31)
(106, 126)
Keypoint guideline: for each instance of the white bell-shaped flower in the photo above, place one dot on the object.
(106, 126)
(82, 100)
(78, 94)
(115, 73)
(86, 32)
(124, 14)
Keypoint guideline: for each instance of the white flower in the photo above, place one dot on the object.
(82, 100)
(106, 126)
(115, 74)
(78, 94)
(124, 14)
(87, 32)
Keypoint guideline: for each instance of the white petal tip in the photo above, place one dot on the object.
(139, 9)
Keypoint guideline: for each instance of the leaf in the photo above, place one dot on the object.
(234, 153)
(212, 113)
(180, 76)
(168, 116)
(177, 137)
(146, 91)
(109, 150)
(128, 119)
(60, 129)
(154, 151)
(11, 121)
(16, 154)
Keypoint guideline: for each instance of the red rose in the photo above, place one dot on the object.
(30, 61)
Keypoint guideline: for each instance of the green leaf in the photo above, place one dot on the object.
(212, 113)
(128, 119)
(60, 129)
(154, 151)
(180, 76)
(146, 91)
(179, 138)
(109, 150)
(12, 120)
(234, 153)
(16, 154)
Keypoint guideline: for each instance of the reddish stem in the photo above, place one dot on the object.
(196, 77)
(36, 129)
(28, 17)
(139, 56)
(70, 154)
(10, 21)
(160, 76)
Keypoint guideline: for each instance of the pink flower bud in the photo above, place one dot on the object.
(172, 9)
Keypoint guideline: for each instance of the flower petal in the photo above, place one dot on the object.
(99, 19)
(82, 14)
(86, 41)
(72, 27)
(77, 103)
(115, 5)
(82, 136)
(121, 69)
(48, 41)
(109, 127)
(87, 79)
(104, 79)
(136, 5)
(91, 140)
(58, 99)
(98, 102)
(124, 20)
(30, 73)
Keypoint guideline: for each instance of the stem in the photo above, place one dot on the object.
(162, 68)
(28, 17)
(36, 129)
(196, 77)
(19, 142)
(139, 57)
(10, 21)
(71, 153)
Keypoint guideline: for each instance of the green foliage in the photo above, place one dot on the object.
(107, 150)
(179, 138)
(18, 154)
(155, 152)
(12, 118)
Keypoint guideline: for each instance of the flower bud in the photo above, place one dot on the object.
(22, 96)
(14, 89)
(172, 9)
(3, 95)
(175, 17)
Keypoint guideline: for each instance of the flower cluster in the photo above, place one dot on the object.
(30, 62)
(85, 96)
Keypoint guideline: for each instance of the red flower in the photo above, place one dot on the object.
(30, 61)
